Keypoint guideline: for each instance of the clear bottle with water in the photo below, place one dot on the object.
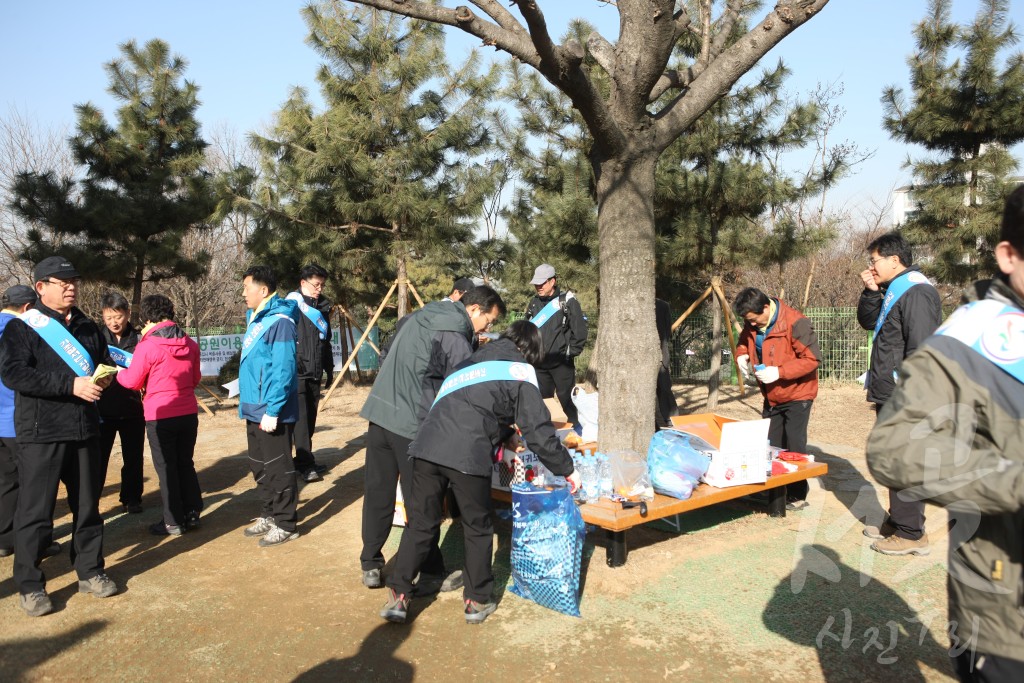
(604, 477)
(591, 490)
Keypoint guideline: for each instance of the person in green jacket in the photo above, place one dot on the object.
(953, 435)
(428, 345)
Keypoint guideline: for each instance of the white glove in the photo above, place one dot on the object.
(768, 375)
(268, 423)
(744, 363)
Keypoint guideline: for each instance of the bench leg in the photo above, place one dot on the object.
(616, 548)
(777, 502)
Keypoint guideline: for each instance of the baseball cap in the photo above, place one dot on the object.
(463, 284)
(542, 274)
(18, 295)
(55, 266)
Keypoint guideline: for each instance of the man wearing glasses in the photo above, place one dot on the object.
(48, 355)
(903, 309)
(314, 331)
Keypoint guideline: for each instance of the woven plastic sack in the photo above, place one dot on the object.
(676, 461)
(547, 547)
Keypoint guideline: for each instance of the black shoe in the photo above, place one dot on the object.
(371, 578)
(310, 476)
(476, 612)
(161, 529)
(192, 521)
(132, 508)
(320, 469)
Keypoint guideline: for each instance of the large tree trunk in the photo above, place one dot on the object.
(627, 336)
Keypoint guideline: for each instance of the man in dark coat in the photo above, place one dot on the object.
(313, 329)
(48, 357)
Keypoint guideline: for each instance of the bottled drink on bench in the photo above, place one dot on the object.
(589, 476)
(604, 476)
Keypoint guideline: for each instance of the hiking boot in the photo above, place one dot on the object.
(192, 521)
(320, 469)
(880, 532)
(897, 545)
(277, 536)
(310, 476)
(371, 578)
(100, 585)
(797, 505)
(132, 508)
(260, 528)
(36, 604)
(476, 612)
(427, 584)
(396, 608)
(161, 529)
(453, 582)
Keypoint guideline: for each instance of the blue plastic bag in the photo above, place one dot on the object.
(547, 547)
(676, 461)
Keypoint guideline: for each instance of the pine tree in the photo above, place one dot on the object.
(144, 185)
(386, 172)
(966, 111)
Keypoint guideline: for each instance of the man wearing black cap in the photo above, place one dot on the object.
(459, 289)
(48, 357)
(563, 329)
(15, 300)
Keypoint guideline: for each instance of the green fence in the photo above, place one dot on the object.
(845, 346)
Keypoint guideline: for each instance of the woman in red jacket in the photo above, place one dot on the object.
(166, 366)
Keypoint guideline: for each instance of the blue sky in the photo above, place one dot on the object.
(247, 55)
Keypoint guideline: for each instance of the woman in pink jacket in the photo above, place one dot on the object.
(166, 366)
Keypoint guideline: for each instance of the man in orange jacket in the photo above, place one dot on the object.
(785, 353)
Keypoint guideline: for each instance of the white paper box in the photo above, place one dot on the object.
(741, 456)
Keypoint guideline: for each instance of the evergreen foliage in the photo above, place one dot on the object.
(387, 171)
(144, 185)
(965, 110)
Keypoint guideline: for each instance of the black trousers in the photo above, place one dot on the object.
(173, 443)
(309, 399)
(974, 667)
(788, 429)
(429, 483)
(388, 465)
(559, 380)
(8, 490)
(666, 400)
(41, 466)
(270, 459)
(133, 437)
(906, 516)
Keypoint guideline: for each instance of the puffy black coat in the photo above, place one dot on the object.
(309, 353)
(912, 319)
(45, 407)
(116, 401)
(462, 430)
(564, 335)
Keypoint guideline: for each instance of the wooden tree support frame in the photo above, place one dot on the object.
(715, 289)
(363, 339)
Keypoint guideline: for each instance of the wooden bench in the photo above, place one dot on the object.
(616, 521)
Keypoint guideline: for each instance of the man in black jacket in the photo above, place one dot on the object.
(563, 330)
(48, 356)
(903, 309)
(120, 408)
(314, 328)
(455, 446)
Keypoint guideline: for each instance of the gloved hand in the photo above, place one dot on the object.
(768, 375)
(268, 423)
(744, 363)
(575, 481)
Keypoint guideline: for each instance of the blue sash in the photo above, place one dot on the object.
(120, 356)
(489, 371)
(60, 340)
(315, 316)
(897, 288)
(545, 313)
(992, 329)
(255, 331)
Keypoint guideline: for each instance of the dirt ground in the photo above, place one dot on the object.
(730, 595)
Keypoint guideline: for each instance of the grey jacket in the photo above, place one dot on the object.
(953, 433)
(402, 384)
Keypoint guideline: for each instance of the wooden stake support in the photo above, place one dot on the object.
(720, 296)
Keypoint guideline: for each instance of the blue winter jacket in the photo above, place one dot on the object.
(268, 380)
(6, 395)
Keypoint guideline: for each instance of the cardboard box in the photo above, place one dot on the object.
(742, 454)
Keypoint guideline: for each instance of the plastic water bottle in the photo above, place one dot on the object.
(588, 473)
(605, 476)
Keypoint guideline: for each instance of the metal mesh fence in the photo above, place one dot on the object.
(845, 346)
